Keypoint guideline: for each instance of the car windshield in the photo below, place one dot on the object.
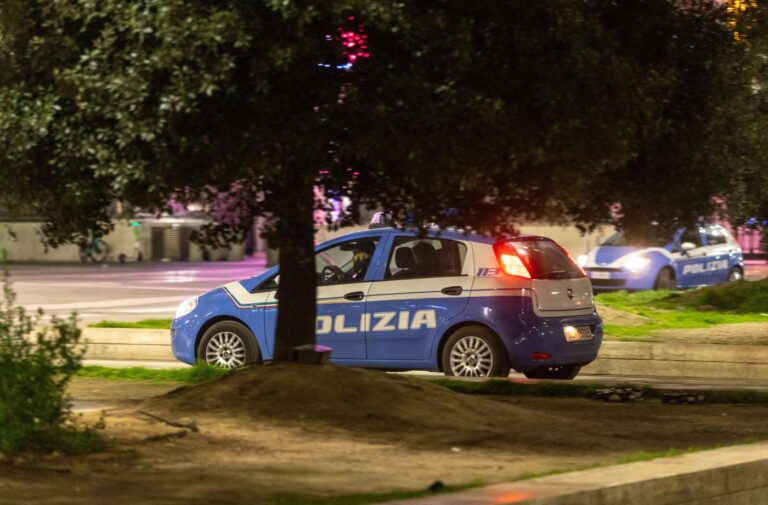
(649, 238)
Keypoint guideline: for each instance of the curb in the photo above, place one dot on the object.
(631, 359)
(127, 344)
(729, 476)
(710, 361)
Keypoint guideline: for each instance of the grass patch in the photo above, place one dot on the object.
(503, 387)
(145, 324)
(739, 297)
(669, 453)
(365, 498)
(730, 303)
(198, 373)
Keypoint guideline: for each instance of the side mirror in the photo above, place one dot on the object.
(687, 246)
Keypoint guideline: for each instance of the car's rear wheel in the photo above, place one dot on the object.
(558, 372)
(228, 344)
(665, 280)
(474, 351)
(735, 274)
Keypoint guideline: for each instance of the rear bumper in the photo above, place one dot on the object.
(544, 335)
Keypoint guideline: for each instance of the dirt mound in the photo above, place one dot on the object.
(378, 404)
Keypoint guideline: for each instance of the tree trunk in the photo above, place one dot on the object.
(296, 292)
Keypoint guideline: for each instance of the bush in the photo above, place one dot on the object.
(36, 363)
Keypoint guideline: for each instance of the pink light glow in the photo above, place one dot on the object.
(354, 43)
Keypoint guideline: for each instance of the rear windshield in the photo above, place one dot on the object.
(547, 260)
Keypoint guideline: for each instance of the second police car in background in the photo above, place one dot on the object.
(463, 304)
(696, 255)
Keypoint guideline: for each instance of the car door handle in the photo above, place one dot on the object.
(354, 295)
(453, 290)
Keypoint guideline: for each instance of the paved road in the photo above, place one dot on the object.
(756, 269)
(132, 292)
(127, 292)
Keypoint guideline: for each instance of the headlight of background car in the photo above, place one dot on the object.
(637, 263)
(582, 260)
(186, 307)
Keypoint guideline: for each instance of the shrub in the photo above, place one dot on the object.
(36, 363)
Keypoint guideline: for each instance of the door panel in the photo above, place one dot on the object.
(718, 252)
(405, 315)
(690, 266)
(425, 284)
(340, 323)
(338, 319)
(341, 269)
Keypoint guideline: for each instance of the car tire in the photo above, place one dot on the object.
(474, 351)
(557, 372)
(228, 344)
(665, 280)
(735, 274)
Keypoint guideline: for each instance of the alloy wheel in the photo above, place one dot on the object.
(471, 357)
(225, 350)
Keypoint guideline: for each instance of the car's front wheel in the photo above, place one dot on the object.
(228, 344)
(474, 351)
(558, 372)
(735, 274)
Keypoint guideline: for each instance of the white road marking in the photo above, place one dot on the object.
(92, 285)
(104, 304)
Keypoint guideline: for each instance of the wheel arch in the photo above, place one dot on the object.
(737, 266)
(451, 329)
(218, 319)
(673, 272)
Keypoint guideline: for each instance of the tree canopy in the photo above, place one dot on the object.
(501, 110)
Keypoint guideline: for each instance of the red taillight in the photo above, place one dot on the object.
(540, 356)
(513, 265)
(510, 261)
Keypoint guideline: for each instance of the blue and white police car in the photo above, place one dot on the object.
(696, 255)
(393, 299)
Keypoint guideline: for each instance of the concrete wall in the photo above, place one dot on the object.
(22, 241)
(125, 239)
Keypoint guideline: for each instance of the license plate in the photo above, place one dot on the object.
(577, 333)
(600, 275)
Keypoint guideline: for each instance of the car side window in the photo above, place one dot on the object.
(269, 284)
(345, 262)
(691, 235)
(715, 235)
(413, 257)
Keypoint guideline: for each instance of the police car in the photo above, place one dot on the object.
(696, 255)
(393, 299)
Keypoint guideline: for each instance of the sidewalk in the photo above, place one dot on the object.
(755, 269)
(735, 475)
